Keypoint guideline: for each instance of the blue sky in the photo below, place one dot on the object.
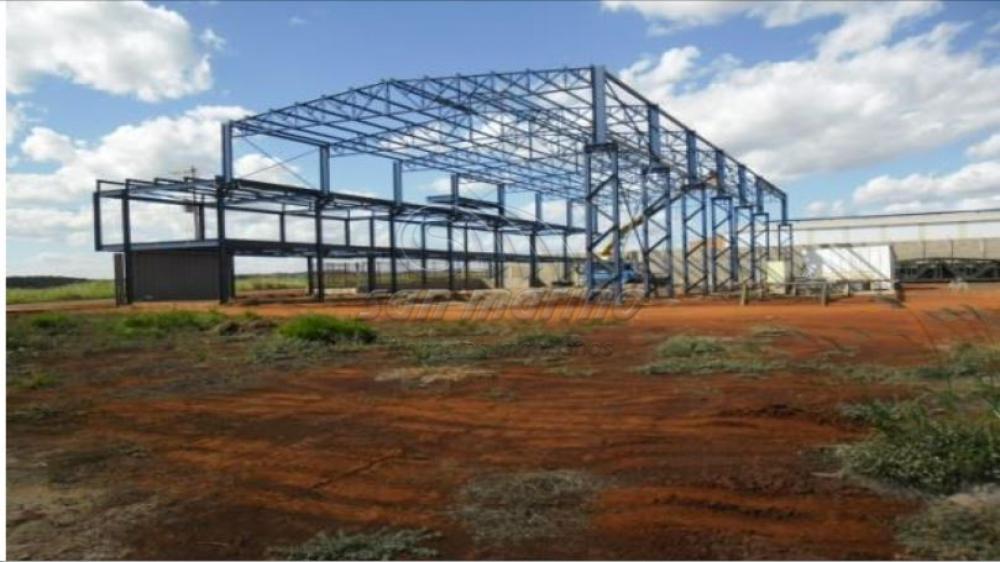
(850, 107)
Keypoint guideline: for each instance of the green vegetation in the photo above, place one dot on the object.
(689, 346)
(83, 290)
(687, 354)
(383, 544)
(528, 345)
(513, 507)
(935, 454)
(271, 282)
(42, 289)
(167, 322)
(290, 352)
(327, 329)
(966, 527)
(54, 323)
(33, 381)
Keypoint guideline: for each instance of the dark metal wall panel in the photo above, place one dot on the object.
(165, 276)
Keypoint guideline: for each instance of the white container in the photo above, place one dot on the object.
(848, 262)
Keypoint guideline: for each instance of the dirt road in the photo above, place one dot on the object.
(707, 466)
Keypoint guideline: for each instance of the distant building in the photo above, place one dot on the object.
(927, 246)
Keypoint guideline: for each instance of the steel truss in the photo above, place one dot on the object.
(580, 135)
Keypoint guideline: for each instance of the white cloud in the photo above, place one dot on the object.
(117, 47)
(264, 168)
(155, 147)
(17, 118)
(975, 185)
(865, 24)
(212, 39)
(296, 21)
(833, 208)
(797, 117)
(46, 145)
(75, 264)
(49, 225)
(989, 148)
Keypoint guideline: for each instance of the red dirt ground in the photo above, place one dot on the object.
(719, 466)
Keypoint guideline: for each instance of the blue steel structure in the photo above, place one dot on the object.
(580, 135)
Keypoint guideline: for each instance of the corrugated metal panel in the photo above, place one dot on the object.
(163, 276)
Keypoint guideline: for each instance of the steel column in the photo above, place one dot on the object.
(127, 254)
(220, 219)
(98, 242)
(722, 273)
(423, 255)
(320, 277)
(310, 281)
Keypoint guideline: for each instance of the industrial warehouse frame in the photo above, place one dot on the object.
(576, 134)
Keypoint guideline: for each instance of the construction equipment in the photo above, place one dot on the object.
(603, 273)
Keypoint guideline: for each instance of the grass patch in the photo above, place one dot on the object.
(163, 323)
(32, 414)
(271, 283)
(511, 508)
(770, 331)
(530, 346)
(383, 544)
(689, 346)
(962, 360)
(327, 329)
(84, 290)
(424, 376)
(915, 449)
(54, 323)
(293, 352)
(36, 380)
(965, 527)
(687, 354)
(70, 466)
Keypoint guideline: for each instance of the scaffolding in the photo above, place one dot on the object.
(577, 135)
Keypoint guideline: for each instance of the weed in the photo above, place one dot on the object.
(291, 352)
(70, 466)
(159, 324)
(327, 329)
(686, 354)
(423, 376)
(54, 323)
(33, 414)
(932, 454)
(510, 508)
(383, 544)
(769, 331)
(689, 346)
(84, 290)
(536, 341)
(953, 529)
(875, 412)
(529, 346)
(35, 381)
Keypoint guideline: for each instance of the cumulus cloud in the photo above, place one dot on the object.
(55, 206)
(865, 24)
(798, 117)
(118, 47)
(155, 147)
(17, 118)
(833, 208)
(971, 181)
(989, 148)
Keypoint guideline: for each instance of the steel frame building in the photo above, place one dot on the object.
(579, 135)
